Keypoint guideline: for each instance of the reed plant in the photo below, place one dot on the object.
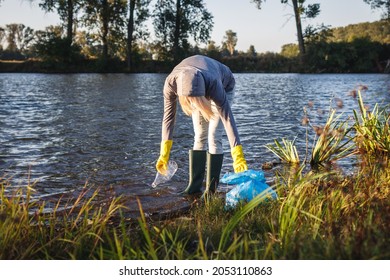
(285, 151)
(372, 129)
(334, 141)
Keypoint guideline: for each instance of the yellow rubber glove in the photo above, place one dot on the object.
(162, 162)
(239, 162)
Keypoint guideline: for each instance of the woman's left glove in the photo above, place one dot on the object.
(239, 162)
(162, 162)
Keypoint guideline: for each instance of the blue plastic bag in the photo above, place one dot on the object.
(248, 184)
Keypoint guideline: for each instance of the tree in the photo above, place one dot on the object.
(138, 12)
(384, 5)
(67, 10)
(177, 20)
(53, 47)
(376, 31)
(290, 50)
(18, 37)
(107, 18)
(230, 41)
(2, 36)
(212, 50)
(314, 34)
(252, 51)
(300, 10)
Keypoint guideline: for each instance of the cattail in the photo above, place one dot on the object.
(363, 87)
(318, 129)
(353, 93)
(305, 120)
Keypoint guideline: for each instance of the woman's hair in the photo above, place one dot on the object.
(190, 104)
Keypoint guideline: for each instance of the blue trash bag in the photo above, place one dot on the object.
(248, 184)
(237, 178)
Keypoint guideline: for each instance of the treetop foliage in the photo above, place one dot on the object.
(116, 30)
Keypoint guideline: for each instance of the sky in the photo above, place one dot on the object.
(267, 29)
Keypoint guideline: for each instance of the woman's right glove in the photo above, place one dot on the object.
(162, 162)
(239, 162)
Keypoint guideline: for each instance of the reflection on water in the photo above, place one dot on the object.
(62, 131)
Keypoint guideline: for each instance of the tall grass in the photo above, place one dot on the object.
(30, 230)
(317, 216)
(238, 216)
(372, 129)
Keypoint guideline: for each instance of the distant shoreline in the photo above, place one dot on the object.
(152, 66)
(87, 66)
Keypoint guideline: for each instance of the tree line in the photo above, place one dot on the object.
(114, 35)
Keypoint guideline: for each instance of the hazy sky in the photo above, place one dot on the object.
(267, 29)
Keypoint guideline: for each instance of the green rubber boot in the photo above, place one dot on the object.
(197, 164)
(214, 166)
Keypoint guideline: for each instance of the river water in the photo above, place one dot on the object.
(63, 132)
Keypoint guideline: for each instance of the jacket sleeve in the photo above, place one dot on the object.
(219, 97)
(169, 116)
(228, 80)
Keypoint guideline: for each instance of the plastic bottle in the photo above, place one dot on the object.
(160, 178)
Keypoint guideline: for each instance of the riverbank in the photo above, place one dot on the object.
(318, 216)
(85, 66)
(270, 63)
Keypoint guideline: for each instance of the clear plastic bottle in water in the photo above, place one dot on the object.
(160, 178)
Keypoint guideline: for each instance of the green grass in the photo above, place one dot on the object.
(319, 215)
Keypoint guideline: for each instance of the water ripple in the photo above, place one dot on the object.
(63, 130)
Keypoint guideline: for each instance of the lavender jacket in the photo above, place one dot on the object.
(200, 76)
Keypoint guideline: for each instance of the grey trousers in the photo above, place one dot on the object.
(208, 134)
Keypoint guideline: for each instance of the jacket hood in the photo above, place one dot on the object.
(190, 82)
